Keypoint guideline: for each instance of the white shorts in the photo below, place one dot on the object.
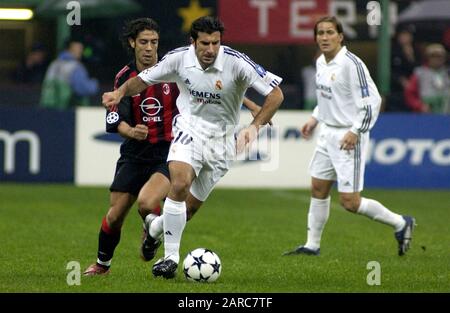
(209, 155)
(329, 162)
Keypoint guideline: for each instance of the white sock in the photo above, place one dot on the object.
(174, 221)
(104, 263)
(156, 227)
(376, 211)
(319, 211)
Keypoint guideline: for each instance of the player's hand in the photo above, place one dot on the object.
(349, 141)
(246, 137)
(308, 127)
(110, 99)
(139, 132)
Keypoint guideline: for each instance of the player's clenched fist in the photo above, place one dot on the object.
(110, 99)
(139, 132)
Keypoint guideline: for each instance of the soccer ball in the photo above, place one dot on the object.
(202, 265)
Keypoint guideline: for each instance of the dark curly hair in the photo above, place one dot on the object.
(134, 27)
(206, 24)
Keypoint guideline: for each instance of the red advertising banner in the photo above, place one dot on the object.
(271, 21)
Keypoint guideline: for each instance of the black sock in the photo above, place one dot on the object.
(107, 242)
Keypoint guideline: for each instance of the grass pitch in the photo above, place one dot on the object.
(44, 227)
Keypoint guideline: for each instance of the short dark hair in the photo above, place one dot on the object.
(329, 19)
(134, 27)
(206, 24)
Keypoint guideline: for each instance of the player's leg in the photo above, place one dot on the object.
(319, 211)
(128, 180)
(323, 177)
(109, 235)
(181, 175)
(350, 166)
(192, 205)
(149, 199)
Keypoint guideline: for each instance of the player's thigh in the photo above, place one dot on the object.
(154, 190)
(120, 204)
(129, 178)
(321, 166)
(184, 148)
(350, 166)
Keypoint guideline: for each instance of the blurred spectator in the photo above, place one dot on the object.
(67, 82)
(309, 84)
(404, 58)
(32, 69)
(428, 89)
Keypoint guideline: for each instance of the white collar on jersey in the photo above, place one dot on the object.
(192, 61)
(338, 58)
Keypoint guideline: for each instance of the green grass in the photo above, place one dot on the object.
(43, 227)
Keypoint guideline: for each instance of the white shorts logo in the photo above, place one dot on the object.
(112, 117)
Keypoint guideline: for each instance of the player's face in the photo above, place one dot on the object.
(145, 48)
(206, 48)
(328, 38)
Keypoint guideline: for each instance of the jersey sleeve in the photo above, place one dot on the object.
(365, 96)
(120, 112)
(256, 76)
(163, 71)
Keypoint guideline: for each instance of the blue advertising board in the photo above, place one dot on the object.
(409, 151)
(36, 145)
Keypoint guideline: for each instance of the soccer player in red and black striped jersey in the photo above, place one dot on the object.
(145, 121)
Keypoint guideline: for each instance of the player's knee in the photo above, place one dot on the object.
(318, 192)
(147, 205)
(349, 203)
(115, 221)
(180, 187)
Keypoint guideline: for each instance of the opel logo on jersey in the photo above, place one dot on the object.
(150, 107)
(166, 89)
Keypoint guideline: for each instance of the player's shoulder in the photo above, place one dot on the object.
(238, 58)
(178, 52)
(233, 54)
(352, 59)
(125, 73)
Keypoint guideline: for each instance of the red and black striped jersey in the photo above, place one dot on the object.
(154, 107)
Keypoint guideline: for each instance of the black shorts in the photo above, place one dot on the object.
(131, 177)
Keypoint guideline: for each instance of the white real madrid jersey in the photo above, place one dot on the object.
(211, 98)
(346, 94)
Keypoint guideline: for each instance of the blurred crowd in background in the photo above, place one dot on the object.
(90, 58)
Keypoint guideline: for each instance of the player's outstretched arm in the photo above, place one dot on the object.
(131, 87)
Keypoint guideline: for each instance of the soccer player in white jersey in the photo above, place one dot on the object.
(212, 80)
(348, 106)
